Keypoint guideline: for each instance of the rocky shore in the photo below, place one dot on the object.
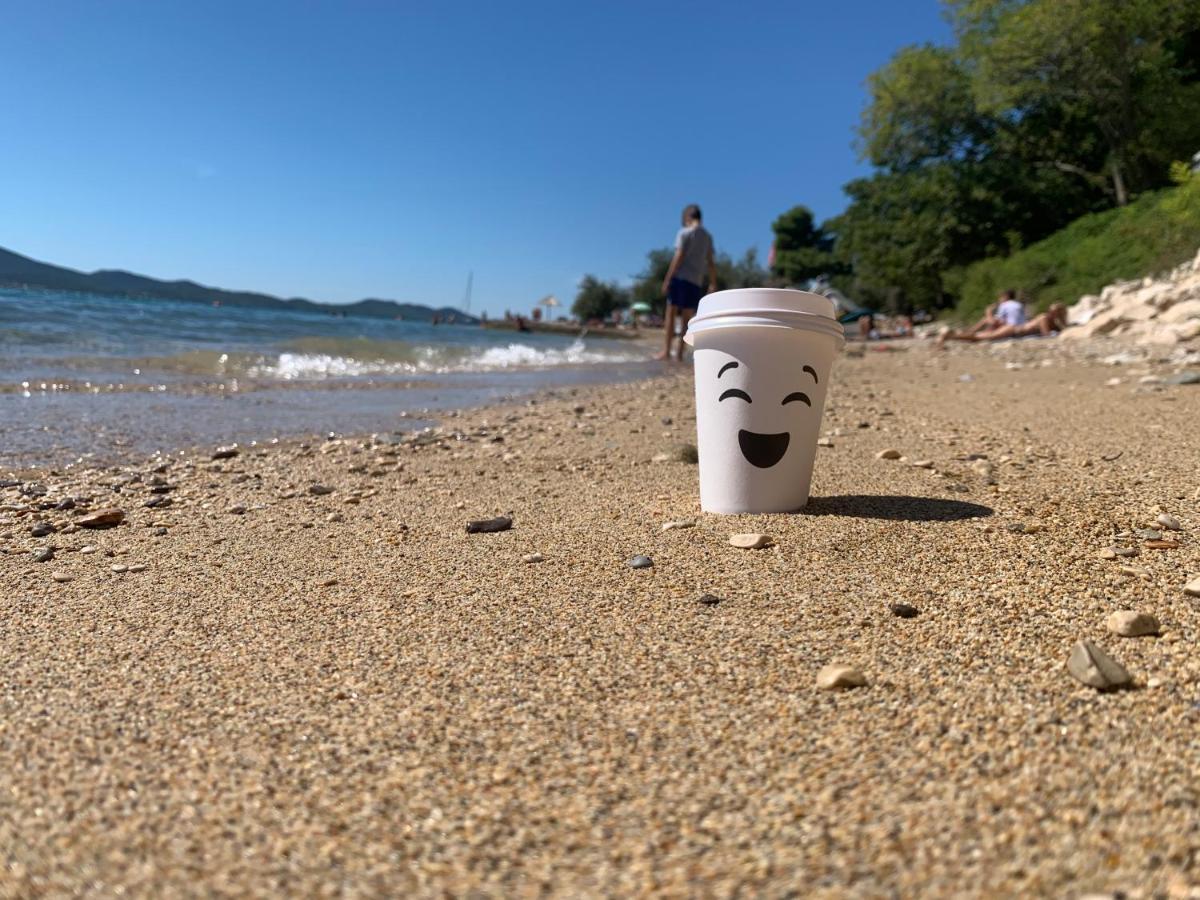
(509, 655)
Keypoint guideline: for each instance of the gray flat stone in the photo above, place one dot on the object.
(1095, 668)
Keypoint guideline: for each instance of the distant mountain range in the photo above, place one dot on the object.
(21, 271)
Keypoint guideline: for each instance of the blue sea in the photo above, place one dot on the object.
(91, 377)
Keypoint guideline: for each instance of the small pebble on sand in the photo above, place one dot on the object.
(1162, 544)
(120, 567)
(329, 582)
(1089, 664)
(138, 567)
(1168, 521)
(226, 452)
(103, 518)
(639, 562)
(45, 554)
(672, 526)
(904, 610)
(923, 464)
(751, 541)
(237, 510)
(836, 677)
(709, 599)
(532, 558)
(88, 549)
(1192, 588)
(61, 577)
(1135, 571)
(1129, 623)
(319, 490)
(889, 453)
(1108, 553)
(489, 526)
(824, 442)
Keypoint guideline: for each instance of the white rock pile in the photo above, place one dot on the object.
(1164, 310)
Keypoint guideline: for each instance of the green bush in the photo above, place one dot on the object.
(1157, 231)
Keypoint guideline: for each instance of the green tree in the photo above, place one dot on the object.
(1126, 69)
(744, 272)
(802, 249)
(598, 299)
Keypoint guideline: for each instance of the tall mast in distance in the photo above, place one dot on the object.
(467, 296)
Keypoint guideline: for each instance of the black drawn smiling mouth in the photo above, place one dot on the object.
(763, 450)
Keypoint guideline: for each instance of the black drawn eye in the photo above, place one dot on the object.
(797, 395)
(735, 392)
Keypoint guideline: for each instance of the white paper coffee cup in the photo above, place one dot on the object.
(763, 357)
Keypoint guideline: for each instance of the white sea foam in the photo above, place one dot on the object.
(432, 360)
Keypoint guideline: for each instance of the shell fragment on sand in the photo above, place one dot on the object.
(750, 541)
(889, 453)
(839, 677)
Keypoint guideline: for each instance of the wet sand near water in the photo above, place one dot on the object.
(269, 688)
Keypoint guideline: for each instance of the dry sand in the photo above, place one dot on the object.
(445, 718)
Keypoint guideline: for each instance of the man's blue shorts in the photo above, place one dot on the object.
(683, 294)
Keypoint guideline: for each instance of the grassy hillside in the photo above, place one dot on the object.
(1157, 231)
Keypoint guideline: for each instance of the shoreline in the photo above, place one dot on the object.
(308, 677)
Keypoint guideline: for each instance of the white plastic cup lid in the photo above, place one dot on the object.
(766, 307)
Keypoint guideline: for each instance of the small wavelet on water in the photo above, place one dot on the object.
(435, 360)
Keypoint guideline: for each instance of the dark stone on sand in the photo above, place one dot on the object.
(158, 502)
(65, 503)
(903, 610)
(319, 490)
(102, 518)
(226, 452)
(162, 489)
(639, 562)
(709, 599)
(41, 529)
(667, 420)
(9, 482)
(687, 453)
(487, 526)
(44, 555)
(160, 532)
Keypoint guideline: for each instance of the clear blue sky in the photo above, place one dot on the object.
(341, 150)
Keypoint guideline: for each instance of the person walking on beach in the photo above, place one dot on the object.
(683, 285)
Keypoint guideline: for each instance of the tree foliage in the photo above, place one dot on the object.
(1041, 112)
(803, 250)
(731, 273)
(598, 299)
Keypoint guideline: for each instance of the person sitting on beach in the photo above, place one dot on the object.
(1007, 310)
(1053, 319)
(683, 285)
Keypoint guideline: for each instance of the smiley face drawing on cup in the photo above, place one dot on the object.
(763, 358)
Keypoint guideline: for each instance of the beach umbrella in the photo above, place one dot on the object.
(640, 307)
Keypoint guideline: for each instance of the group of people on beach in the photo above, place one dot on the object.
(1008, 318)
(694, 263)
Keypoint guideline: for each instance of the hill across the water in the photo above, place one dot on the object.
(21, 271)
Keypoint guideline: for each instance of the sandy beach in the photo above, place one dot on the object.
(292, 672)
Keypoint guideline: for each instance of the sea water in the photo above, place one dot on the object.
(92, 376)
